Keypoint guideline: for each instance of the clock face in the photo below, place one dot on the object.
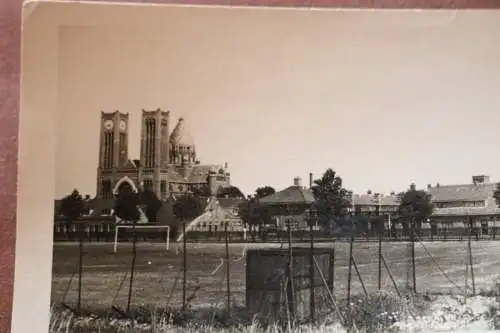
(123, 125)
(108, 124)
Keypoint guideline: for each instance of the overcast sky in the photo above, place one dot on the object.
(383, 98)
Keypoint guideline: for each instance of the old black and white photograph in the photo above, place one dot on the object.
(279, 170)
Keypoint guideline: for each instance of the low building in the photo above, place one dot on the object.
(372, 205)
(454, 205)
(289, 206)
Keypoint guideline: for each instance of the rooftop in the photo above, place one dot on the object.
(295, 194)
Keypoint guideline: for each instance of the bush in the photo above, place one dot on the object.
(493, 312)
(381, 310)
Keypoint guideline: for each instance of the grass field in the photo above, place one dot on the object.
(159, 272)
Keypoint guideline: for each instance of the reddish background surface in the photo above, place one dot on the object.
(10, 34)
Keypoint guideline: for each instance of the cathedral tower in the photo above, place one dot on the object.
(113, 151)
(154, 151)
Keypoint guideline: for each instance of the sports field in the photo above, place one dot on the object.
(440, 267)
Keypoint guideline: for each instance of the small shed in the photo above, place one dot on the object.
(269, 288)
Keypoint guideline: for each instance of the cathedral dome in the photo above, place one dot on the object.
(180, 135)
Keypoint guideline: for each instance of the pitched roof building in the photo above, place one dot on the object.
(474, 199)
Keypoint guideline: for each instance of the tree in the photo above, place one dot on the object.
(187, 207)
(331, 199)
(264, 191)
(72, 207)
(127, 209)
(253, 214)
(415, 208)
(127, 204)
(150, 203)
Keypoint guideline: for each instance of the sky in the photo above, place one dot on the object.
(383, 98)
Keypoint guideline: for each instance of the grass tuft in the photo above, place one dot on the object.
(377, 313)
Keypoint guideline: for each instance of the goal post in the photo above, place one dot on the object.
(118, 227)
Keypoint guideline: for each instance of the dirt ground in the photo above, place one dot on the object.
(440, 267)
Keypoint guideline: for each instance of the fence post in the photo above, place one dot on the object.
(184, 266)
(414, 273)
(380, 261)
(349, 274)
(132, 268)
(331, 278)
(312, 305)
(471, 262)
(228, 272)
(80, 268)
(291, 285)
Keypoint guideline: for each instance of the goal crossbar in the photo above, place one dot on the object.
(167, 241)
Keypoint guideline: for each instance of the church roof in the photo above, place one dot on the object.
(181, 135)
(190, 174)
(291, 195)
(131, 164)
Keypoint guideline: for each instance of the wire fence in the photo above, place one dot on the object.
(205, 276)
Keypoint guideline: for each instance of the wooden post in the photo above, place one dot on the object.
(228, 272)
(414, 273)
(312, 305)
(80, 269)
(380, 261)
(184, 266)
(291, 285)
(349, 274)
(355, 264)
(471, 261)
(132, 268)
(391, 277)
(331, 272)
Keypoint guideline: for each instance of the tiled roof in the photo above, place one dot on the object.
(372, 200)
(290, 195)
(466, 192)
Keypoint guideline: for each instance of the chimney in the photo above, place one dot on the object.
(310, 180)
(297, 181)
(480, 179)
(429, 187)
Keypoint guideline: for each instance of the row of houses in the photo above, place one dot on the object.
(454, 205)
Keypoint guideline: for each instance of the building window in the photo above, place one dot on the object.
(484, 228)
(148, 183)
(163, 187)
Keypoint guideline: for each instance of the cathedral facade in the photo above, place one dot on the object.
(167, 161)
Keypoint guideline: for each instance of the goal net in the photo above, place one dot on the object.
(141, 227)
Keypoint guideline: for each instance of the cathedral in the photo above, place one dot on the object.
(167, 161)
